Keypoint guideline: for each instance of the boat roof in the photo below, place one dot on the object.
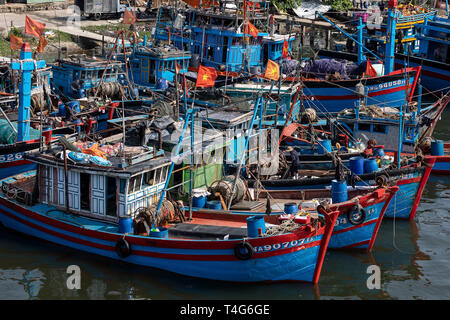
(131, 161)
(83, 61)
(163, 52)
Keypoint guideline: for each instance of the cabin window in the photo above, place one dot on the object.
(111, 196)
(135, 184)
(83, 75)
(122, 185)
(164, 174)
(236, 42)
(364, 126)
(211, 53)
(224, 49)
(85, 194)
(380, 128)
(149, 178)
(157, 175)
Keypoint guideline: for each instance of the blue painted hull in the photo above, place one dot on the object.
(389, 90)
(346, 235)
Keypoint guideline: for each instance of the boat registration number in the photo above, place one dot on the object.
(287, 244)
(11, 157)
(387, 85)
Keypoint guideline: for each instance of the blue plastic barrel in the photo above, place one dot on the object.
(254, 223)
(338, 191)
(198, 201)
(81, 93)
(125, 225)
(324, 146)
(370, 165)
(162, 233)
(61, 110)
(214, 204)
(290, 208)
(357, 165)
(437, 148)
(378, 152)
(162, 84)
(74, 106)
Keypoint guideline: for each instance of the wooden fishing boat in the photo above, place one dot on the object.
(411, 179)
(90, 207)
(356, 226)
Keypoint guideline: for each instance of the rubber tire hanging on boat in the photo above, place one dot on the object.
(381, 181)
(123, 248)
(244, 245)
(351, 213)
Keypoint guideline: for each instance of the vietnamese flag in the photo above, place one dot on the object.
(177, 68)
(285, 50)
(15, 42)
(251, 30)
(42, 44)
(370, 71)
(33, 27)
(272, 70)
(128, 17)
(206, 77)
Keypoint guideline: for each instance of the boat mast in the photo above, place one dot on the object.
(390, 38)
(26, 65)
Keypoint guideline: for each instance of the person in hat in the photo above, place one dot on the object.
(295, 162)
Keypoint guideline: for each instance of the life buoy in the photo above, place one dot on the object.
(244, 250)
(123, 248)
(132, 37)
(356, 215)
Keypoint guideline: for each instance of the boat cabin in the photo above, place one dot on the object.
(278, 104)
(434, 38)
(101, 182)
(216, 39)
(76, 75)
(152, 65)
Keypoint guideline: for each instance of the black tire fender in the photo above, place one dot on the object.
(244, 250)
(123, 248)
(356, 215)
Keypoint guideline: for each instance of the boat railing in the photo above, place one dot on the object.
(416, 18)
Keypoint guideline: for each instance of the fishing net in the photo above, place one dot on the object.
(8, 136)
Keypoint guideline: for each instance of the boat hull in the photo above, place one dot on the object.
(294, 256)
(411, 182)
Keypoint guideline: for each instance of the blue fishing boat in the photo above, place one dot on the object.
(356, 226)
(92, 207)
(433, 55)
(421, 42)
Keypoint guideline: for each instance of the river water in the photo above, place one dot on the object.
(413, 258)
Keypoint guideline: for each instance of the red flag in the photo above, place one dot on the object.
(42, 44)
(206, 77)
(128, 17)
(205, 3)
(251, 30)
(15, 42)
(272, 70)
(252, 4)
(177, 68)
(370, 71)
(285, 50)
(33, 27)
